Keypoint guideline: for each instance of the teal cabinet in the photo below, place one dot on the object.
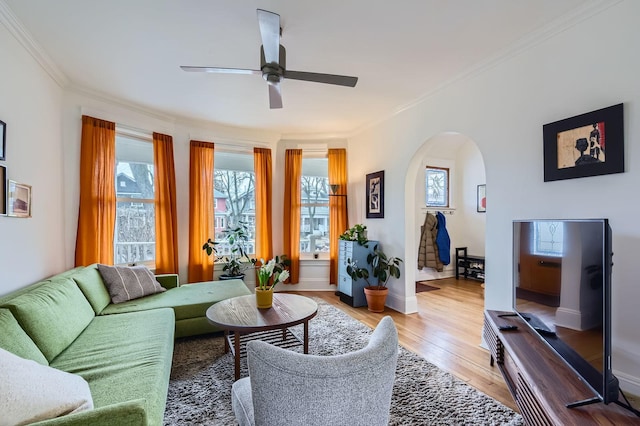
(352, 292)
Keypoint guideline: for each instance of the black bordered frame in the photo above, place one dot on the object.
(3, 190)
(3, 141)
(375, 195)
(590, 144)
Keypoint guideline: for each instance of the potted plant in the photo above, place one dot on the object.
(238, 260)
(383, 267)
(357, 232)
(270, 274)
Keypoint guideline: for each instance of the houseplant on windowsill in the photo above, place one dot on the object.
(238, 260)
(383, 267)
(269, 274)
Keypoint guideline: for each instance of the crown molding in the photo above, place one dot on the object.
(114, 100)
(20, 33)
(527, 42)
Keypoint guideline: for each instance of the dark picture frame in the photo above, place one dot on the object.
(3, 190)
(590, 144)
(375, 195)
(481, 201)
(3, 141)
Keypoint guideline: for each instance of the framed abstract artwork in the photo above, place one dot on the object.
(375, 195)
(482, 199)
(590, 144)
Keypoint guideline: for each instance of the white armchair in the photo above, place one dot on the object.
(289, 388)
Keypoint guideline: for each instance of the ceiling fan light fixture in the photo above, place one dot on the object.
(273, 62)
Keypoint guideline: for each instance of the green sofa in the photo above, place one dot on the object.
(123, 351)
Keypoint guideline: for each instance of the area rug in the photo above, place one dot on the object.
(423, 286)
(202, 375)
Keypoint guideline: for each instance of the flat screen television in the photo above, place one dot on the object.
(562, 289)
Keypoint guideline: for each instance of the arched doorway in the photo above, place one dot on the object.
(466, 226)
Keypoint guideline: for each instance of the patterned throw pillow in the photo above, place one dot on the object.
(129, 282)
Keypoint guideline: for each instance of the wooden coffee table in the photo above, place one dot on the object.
(241, 316)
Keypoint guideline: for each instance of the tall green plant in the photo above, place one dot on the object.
(383, 267)
(236, 238)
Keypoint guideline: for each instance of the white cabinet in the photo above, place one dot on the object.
(352, 292)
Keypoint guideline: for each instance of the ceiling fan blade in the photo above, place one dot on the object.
(269, 23)
(220, 70)
(275, 97)
(340, 80)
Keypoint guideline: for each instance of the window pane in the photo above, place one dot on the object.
(437, 185)
(548, 238)
(234, 196)
(134, 239)
(314, 213)
(135, 233)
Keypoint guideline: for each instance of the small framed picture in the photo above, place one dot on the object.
(3, 191)
(375, 195)
(590, 144)
(3, 140)
(482, 198)
(19, 199)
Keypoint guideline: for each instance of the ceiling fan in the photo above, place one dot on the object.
(273, 62)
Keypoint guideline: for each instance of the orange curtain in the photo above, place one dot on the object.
(201, 205)
(338, 221)
(263, 169)
(166, 215)
(97, 210)
(291, 217)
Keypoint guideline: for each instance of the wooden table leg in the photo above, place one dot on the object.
(236, 345)
(306, 337)
(226, 341)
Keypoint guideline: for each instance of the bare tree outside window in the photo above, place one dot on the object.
(314, 206)
(134, 239)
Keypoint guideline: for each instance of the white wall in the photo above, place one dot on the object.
(30, 101)
(588, 66)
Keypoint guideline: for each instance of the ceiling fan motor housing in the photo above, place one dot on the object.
(272, 72)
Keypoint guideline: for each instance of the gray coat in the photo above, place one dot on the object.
(428, 255)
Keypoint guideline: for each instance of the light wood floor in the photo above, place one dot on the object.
(446, 331)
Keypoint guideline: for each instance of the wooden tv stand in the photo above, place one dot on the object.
(539, 380)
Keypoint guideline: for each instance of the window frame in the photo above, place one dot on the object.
(145, 138)
(244, 215)
(447, 186)
(317, 255)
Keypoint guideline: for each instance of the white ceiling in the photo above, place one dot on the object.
(401, 51)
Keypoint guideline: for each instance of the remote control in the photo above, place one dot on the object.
(508, 327)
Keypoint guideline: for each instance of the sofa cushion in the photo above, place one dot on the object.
(32, 392)
(187, 301)
(125, 357)
(90, 282)
(14, 339)
(129, 282)
(53, 315)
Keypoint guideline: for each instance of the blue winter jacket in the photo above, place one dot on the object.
(442, 240)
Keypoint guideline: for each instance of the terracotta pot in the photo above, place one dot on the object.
(376, 298)
(264, 298)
